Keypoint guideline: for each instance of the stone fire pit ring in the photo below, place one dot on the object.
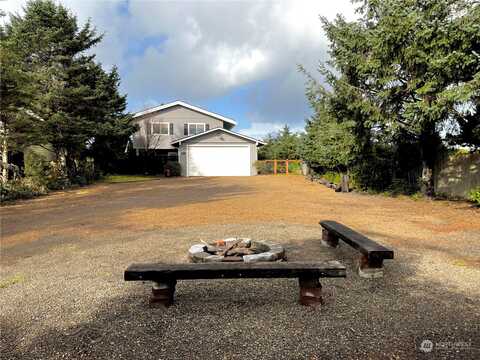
(244, 250)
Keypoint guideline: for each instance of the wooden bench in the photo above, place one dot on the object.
(165, 276)
(372, 254)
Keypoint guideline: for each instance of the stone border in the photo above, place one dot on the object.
(197, 253)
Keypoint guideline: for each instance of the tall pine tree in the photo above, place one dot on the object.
(405, 71)
(77, 100)
(17, 88)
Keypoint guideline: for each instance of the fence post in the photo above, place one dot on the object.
(286, 167)
(274, 167)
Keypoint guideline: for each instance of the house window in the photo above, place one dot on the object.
(194, 129)
(160, 128)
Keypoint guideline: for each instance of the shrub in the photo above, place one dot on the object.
(56, 179)
(264, 167)
(333, 177)
(173, 168)
(475, 196)
(375, 174)
(36, 166)
(295, 168)
(401, 186)
(24, 188)
(416, 196)
(80, 180)
(44, 172)
(86, 173)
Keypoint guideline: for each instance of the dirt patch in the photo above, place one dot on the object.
(63, 258)
(110, 209)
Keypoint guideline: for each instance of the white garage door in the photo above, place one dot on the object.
(221, 160)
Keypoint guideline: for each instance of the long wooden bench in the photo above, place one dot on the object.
(372, 254)
(165, 276)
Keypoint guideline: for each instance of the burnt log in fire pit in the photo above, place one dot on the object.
(236, 250)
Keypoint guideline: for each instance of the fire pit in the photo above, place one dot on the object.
(236, 249)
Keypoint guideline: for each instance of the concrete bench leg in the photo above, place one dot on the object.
(310, 292)
(328, 239)
(163, 293)
(370, 268)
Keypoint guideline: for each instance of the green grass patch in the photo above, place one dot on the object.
(417, 196)
(113, 179)
(11, 281)
(333, 177)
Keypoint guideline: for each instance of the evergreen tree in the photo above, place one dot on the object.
(284, 145)
(76, 100)
(113, 133)
(17, 123)
(406, 69)
(328, 143)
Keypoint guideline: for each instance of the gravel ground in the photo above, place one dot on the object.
(63, 256)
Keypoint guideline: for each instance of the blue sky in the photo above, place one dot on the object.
(236, 58)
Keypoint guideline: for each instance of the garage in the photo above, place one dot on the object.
(218, 160)
(217, 152)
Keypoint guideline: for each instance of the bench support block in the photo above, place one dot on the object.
(163, 293)
(310, 292)
(370, 268)
(329, 239)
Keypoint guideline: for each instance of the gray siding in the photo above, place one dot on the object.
(217, 137)
(178, 116)
(182, 158)
(253, 159)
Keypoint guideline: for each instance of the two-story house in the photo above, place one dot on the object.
(202, 141)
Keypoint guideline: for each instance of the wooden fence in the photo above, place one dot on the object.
(277, 166)
(457, 174)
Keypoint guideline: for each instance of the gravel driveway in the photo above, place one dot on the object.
(63, 296)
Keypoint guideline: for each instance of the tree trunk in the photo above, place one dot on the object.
(4, 155)
(429, 144)
(66, 161)
(427, 185)
(344, 183)
(71, 166)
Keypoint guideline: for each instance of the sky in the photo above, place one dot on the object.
(239, 59)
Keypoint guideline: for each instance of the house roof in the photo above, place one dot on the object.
(186, 138)
(185, 105)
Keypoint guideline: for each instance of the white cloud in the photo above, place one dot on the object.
(233, 65)
(11, 6)
(260, 130)
(212, 48)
